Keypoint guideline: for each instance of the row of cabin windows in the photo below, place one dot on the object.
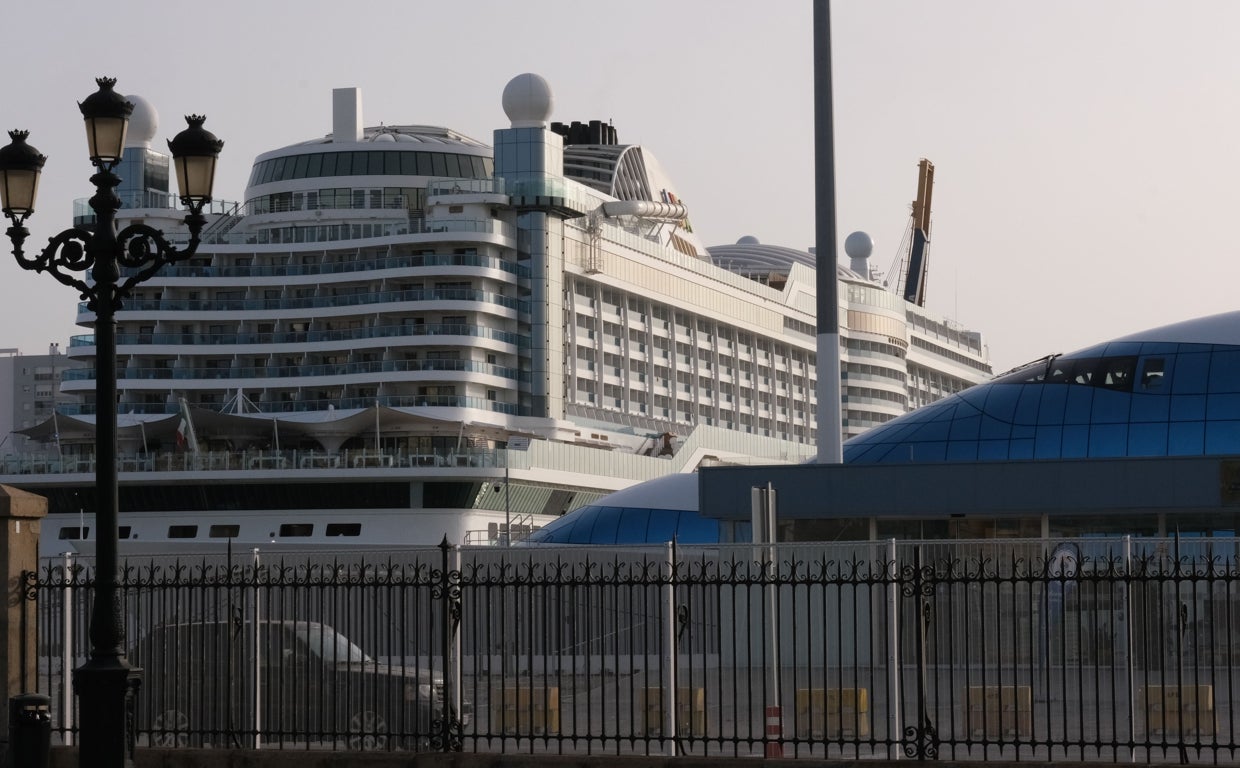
(287, 530)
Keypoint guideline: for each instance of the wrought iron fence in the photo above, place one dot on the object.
(1106, 649)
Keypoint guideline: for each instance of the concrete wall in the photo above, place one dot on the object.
(20, 516)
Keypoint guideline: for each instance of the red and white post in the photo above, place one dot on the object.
(774, 732)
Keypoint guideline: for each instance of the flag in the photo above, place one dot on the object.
(186, 439)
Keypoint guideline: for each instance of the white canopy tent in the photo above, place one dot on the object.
(330, 428)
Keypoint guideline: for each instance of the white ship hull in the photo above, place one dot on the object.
(216, 501)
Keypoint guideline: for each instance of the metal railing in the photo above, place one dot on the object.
(284, 338)
(255, 459)
(1108, 650)
(301, 405)
(311, 302)
(285, 372)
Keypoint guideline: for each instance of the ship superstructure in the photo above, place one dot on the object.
(403, 334)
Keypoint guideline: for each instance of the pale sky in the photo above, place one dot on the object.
(1086, 151)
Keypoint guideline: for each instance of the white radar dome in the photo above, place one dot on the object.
(859, 245)
(143, 123)
(528, 101)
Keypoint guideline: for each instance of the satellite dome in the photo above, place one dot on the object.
(747, 240)
(528, 101)
(859, 245)
(143, 123)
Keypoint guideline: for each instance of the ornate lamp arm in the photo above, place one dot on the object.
(65, 258)
(145, 249)
(71, 257)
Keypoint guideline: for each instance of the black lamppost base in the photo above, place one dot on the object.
(101, 683)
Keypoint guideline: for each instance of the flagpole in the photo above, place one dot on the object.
(186, 429)
(56, 433)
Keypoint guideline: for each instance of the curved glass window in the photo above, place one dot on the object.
(874, 297)
(372, 163)
(1112, 400)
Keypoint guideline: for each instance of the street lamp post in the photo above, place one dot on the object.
(104, 265)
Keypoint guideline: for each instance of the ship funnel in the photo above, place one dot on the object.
(346, 115)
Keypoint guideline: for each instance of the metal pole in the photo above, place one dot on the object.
(1132, 702)
(830, 405)
(893, 651)
(668, 678)
(507, 506)
(447, 737)
(1181, 629)
(443, 728)
(256, 638)
(66, 659)
(454, 673)
(774, 709)
(106, 684)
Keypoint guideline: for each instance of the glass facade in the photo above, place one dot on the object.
(144, 178)
(1125, 398)
(527, 151)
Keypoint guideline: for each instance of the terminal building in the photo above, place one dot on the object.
(1136, 436)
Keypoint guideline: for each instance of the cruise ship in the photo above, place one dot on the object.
(403, 335)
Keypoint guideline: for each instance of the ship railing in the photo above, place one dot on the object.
(317, 302)
(223, 224)
(502, 534)
(136, 200)
(454, 186)
(405, 261)
(272, 234)
(546, 189)
(361, 459)
(314, 404)
(270, 459)
(313, 460)
(322, 369)
(302, 337)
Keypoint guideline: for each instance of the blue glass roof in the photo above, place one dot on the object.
(655, 511)
(1172, 391)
